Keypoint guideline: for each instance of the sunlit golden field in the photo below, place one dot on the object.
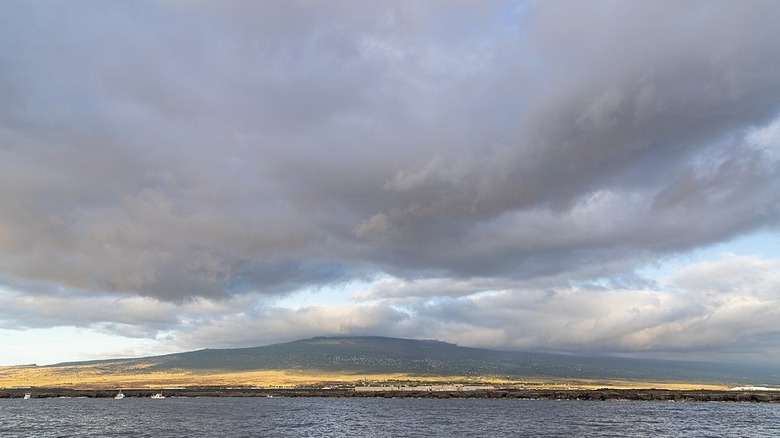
(98, 377)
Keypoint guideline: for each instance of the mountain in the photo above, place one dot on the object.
(381, 355)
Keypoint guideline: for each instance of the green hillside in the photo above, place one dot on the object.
(376, 355)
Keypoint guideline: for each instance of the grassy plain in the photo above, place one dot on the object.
(99, 377)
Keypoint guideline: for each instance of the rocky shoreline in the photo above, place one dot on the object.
(501, 393)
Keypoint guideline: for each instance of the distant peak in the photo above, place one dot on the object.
(355, 339)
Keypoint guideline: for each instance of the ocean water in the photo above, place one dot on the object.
(378, 417)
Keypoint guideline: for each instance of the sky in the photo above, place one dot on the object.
(596, 177)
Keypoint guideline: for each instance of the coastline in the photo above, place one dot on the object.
(662, 395)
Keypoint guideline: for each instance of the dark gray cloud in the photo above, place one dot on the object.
(178, 150)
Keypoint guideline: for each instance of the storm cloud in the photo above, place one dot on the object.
(199, 152)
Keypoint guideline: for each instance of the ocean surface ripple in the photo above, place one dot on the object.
(378, 417)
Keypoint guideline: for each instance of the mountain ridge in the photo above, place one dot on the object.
(427, 357)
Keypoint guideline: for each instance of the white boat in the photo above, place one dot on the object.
(158, 395)
(120, 395)
(27, 395)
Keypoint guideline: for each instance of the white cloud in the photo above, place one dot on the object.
(766, 139)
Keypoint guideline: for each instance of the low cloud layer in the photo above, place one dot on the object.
(722, 310)
(473, 155)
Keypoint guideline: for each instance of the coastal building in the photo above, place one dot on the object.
(425, 388)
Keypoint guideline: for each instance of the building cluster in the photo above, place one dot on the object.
(425, 388)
